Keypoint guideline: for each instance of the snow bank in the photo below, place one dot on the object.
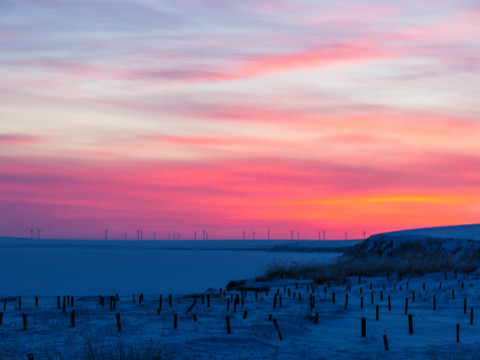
(457, 242)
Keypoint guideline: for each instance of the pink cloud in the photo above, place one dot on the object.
(18, 139)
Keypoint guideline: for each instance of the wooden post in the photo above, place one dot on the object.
(1, 318)
(410, 324)
(389, 303)
(413, 296)
(385, 342)
(377, 310)
(64, 304)
(19, 303)
(245, 314)
(256, 294)
(371, 297)
(423, 286)
(278, 329)
(406, 305)
(381, 295)
(434, 302)
(346, 301)
(453, 294)
(24, 321)
(360, 279)
(361, 290)
(316, 318)
(228, 305)
(333, 297)
(191, 306)
(133, 298)
(208, 300)
(170, 300)
(361, 302)
(458, 333)
(364, 327)
(299, 297)
(72, 318)
(4, 304)
(471, 315)
(175, 321)
(194, 317)
(464, 305)
(119, 325)
(71, 301)
(229, 330)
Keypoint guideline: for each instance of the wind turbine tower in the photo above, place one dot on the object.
(154, 236)
(125, 235)
(31, 234)
(298, 235)
(324, 235)
(364, 233)
(195, 235)
(204, 234)
(291, 233)
(138, 235)
(243, 232)
(38, 233)
(253, 234)
(106, 231)
(268, 233)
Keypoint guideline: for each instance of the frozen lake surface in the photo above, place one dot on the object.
(79, 267)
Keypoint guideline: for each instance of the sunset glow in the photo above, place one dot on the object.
(176, 116)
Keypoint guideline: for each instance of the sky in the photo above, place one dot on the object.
(178, 116)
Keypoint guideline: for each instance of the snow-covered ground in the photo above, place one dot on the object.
(336, 335)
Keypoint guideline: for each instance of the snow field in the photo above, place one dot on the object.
(336, 335)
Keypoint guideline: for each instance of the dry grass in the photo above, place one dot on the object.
(347, 266)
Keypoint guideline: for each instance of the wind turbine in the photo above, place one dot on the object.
(195, 235)
(268, 233)
(106, 231)
(31, 233)
(324, 235)
(38, 232)
(204, 233)
(243, 232)
(141, 234)
(178, 236)
(125, 235)
(298, 235)
(364, 233)
(291, 233)
(154, 236)
(253, 234)
(319, 235)
(138, 235)
(174, 236)
(169, 236)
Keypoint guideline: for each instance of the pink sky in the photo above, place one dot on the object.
(172, 116)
